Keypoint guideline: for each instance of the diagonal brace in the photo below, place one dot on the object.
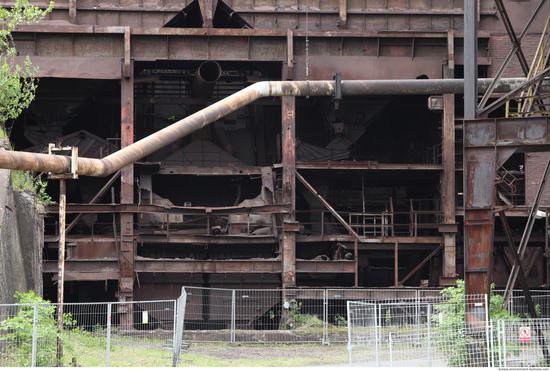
(511, 54)
(507, 97)
(420, 265)
(94, 200)
(329, 208)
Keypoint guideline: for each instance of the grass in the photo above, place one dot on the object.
(88, 349)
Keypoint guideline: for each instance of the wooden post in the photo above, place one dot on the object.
(61, 263)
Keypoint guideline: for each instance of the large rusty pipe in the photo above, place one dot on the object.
(208, 74)
(128, 155)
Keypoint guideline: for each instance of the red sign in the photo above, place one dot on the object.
(524, 335)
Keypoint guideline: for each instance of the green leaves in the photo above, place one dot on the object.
(451, 319)
(17, 82)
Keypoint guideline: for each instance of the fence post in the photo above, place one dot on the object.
(391, 355)
(108, 350)
(429, 335)
(487, 332)
(350, 346)
(182, 302)
(504, 342)
(325, 318)
(491, 344)
(175, 334)
(378, 331)
(34, 334)
(499, 336)
(233, 315)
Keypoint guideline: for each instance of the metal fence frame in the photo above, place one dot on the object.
(412, 335)
(278, 310)
(82, 323)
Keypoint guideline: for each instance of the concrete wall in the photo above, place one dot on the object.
(21, 242)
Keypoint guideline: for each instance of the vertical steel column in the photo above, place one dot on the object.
(289, 190)
(470, 58)
(448, 187)
(61, 263)
(127, 187)
(448, 184)
(207, 12)
(479, 174)
(72, 11)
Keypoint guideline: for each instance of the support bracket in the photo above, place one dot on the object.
(73, 171)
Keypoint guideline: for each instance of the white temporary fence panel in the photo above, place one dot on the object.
(92, 335)
(522, 342)
(336, 299)
(420, 334)
(208, 313)
(363, 334)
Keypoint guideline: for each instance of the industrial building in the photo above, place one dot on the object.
(352, 161)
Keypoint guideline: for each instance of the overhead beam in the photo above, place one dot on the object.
(137, 208)
(102, 270)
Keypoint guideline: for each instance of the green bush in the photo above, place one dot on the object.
(451, 336)
(17, 331)
(23, 181)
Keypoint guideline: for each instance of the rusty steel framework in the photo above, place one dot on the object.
(285, 143)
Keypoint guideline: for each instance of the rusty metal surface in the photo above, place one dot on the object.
(83, 266)
(69, 43)
(515, 47)
(192, 123)
(364, 165)
(127, 243)
(329, 208)
(142, 265)
(520, 132)
(76, 67)
(420, 265)
(136, 208)
(210, 170)
(479, 173)
(288, 243)
(205, 79)
(92, 250)
(448, 185)
(538, 78)
(534, 166)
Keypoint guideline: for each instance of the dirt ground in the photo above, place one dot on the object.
(305, 354)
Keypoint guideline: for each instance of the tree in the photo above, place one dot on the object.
(452, 339)
(17, 82)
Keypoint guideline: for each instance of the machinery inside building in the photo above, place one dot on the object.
(362, 190)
